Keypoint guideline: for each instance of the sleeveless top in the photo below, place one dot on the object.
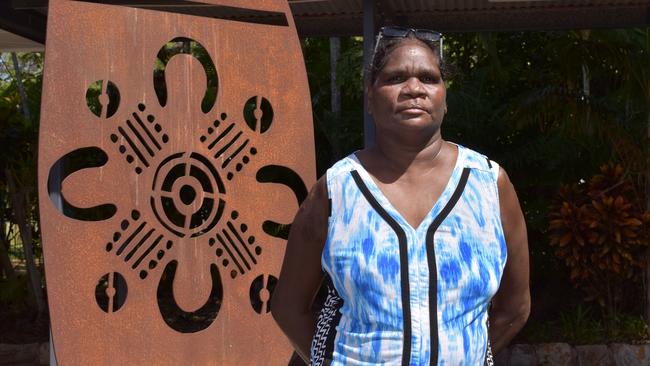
(399, 295)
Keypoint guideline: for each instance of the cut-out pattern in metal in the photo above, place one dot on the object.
(139, 145)
(234, 247)
(230, 145)
(72, 162)
(201, 54)
(177, 186)
(110, 292)
(158, 152)
(188, 321)
(103, 98)
(285, 176)
(261, 291)
(258, 114)
(138, 244)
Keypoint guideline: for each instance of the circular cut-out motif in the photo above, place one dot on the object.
(260, 293)
(103, 98)
(258, 114)
(110, 292)
(187, 194)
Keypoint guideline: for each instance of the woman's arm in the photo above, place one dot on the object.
(301, 272)
(511, 304)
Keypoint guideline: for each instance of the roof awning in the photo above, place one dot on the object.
(13, 42)
(344, 17)
(27, 18)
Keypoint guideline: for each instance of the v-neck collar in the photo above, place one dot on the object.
(446, 194)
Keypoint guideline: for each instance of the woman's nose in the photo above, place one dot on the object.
(413, 88)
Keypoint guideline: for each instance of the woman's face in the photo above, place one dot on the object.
(409, 92)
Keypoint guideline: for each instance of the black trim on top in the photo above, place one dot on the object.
(403, 259)
(204, 10)
(431, 260)
(489, 162)
(329, 207)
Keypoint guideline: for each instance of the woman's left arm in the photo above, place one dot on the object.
(511, 304)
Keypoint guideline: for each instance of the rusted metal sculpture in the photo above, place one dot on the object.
(176, 144)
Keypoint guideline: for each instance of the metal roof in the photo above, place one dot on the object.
(344, 17)
(13, 42)
(27, 18)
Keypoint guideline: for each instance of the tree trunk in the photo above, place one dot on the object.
(647, 195)
(21, 88)
(586, 86)
(19, 201)
(335, 92)
(335, 52)
(5, 262)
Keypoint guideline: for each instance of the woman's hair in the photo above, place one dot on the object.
(386, 45)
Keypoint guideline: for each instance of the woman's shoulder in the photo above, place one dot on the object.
(343, 166)
(475, 160)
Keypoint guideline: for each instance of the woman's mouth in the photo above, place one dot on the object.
(413, 110)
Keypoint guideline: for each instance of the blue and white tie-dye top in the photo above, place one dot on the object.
(400, 295)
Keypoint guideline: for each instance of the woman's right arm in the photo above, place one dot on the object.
(301, 273)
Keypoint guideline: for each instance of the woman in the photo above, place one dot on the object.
(412, 234)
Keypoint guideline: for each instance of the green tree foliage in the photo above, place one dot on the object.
(19, 116)
(550, 107)
(336, 135)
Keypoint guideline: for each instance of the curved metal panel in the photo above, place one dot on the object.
(161, 132)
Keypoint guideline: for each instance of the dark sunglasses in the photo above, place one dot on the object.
(403, 32)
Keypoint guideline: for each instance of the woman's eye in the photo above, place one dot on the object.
(395, 79)
(429, 79)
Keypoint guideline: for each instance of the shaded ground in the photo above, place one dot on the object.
(22, 328)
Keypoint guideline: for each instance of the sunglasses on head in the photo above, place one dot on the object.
(403, 32)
